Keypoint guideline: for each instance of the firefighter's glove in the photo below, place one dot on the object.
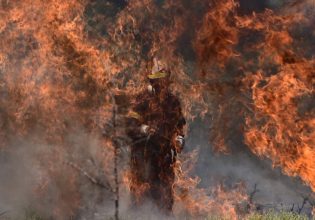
(147, 130)
(151, 90)
(144, 129)
(180, 140)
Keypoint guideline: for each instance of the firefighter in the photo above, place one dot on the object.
(155, 125)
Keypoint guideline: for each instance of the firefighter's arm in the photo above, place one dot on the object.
(142, 109)
(135, 127)
(140, 130)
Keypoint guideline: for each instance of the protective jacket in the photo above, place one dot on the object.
(155, 127)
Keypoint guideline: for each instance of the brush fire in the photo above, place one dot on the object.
(157, 109)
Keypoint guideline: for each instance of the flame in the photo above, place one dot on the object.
(51, 76)
(273, 85)
(217, 36)
(280, 128)
(205, 202)
(139, 189)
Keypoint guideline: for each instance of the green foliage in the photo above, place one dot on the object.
(272, 215)
(277, 216)
(31, 215)
(218, 218)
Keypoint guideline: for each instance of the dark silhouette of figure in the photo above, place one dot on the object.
(155, 125)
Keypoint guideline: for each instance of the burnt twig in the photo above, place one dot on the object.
(115, 161)
(90, 177)
(252, 194)
(305, 199)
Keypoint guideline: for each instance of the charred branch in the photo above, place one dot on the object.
(92, 179)
(115, 163)
(252, 194)
(305, 199)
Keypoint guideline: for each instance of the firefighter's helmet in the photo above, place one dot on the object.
(159, 70)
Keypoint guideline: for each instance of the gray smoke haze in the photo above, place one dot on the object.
(35, 177)
(18, 175)
(21, 172)
(274, 188)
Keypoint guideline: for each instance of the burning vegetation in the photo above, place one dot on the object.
(242, 75)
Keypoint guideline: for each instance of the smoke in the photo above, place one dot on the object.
(275, 190)
(19, 176)
(39, 177)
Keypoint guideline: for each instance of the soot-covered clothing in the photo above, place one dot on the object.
(153, 153)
